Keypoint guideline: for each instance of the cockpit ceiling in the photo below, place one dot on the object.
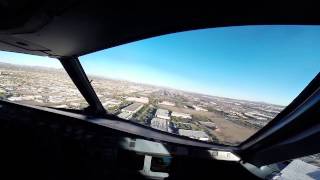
(72, 28)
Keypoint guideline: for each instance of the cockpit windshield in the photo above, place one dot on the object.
(218, 85)
(39, 81)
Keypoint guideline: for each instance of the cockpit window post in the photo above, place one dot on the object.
(78, 76)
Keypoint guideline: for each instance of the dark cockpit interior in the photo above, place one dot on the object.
(53, 143)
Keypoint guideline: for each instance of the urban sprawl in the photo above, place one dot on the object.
(198, 116)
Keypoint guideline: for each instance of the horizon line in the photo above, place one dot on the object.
(144, 83)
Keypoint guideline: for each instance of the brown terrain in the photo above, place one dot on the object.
(227, 132)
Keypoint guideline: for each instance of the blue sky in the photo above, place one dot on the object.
(260, 63)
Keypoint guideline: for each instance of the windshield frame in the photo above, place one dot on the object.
(297, 101)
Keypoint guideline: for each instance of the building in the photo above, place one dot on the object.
(163, 114)
(208, 124)
(181, 115)
(161, 124)
(198, 108)
(22, 98)
(2, 90)
(56, 99)
(133, 108)
(143, 100)
(129, 111)
(125, 115)
(167, 103)
(15, 98)
(61, 106)
(75, 104)
(257, 115)
(200, 135)
(111, 102)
